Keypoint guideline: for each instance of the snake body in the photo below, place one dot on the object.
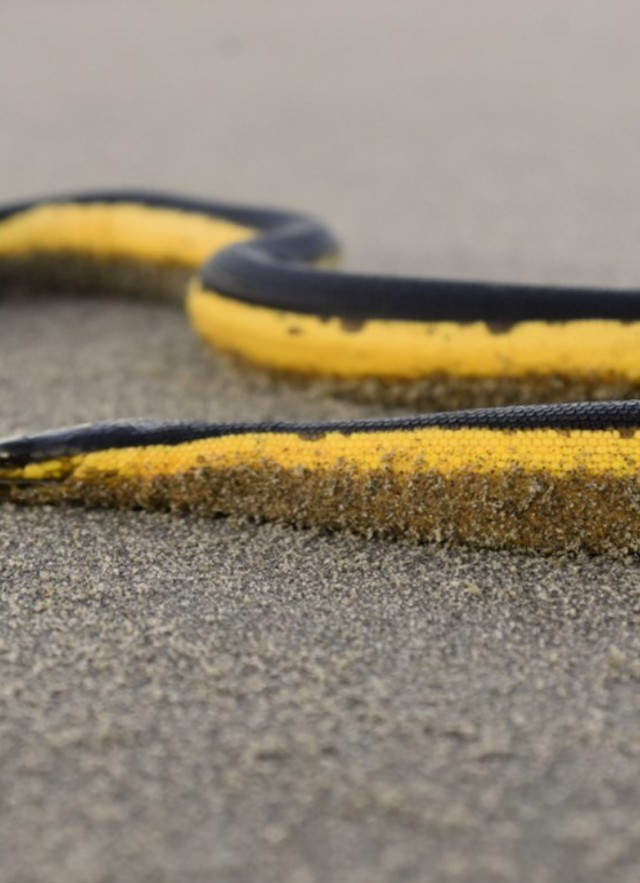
(564, 474)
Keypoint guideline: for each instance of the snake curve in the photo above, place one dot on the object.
(541, 451)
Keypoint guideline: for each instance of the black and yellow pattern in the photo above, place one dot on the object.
(541, 477)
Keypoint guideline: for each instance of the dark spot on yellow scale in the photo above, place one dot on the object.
(311, 434)
(294, 330)
(352, 325)
(627, 432)
(500, 327)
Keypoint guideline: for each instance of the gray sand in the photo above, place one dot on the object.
(195, 700)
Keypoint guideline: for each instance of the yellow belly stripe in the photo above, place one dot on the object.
(391, 349)
(438, 450)
(105, 230)
(536, 489)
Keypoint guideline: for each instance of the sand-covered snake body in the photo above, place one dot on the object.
(501, 470)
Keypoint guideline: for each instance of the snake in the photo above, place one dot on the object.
(521, 420)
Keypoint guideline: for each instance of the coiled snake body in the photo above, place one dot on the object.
(545, 477)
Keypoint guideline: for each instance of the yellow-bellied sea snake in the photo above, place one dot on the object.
(557, 476)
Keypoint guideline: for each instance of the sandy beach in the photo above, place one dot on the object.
(190, 699)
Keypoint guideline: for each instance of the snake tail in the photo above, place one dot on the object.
(545, 478)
